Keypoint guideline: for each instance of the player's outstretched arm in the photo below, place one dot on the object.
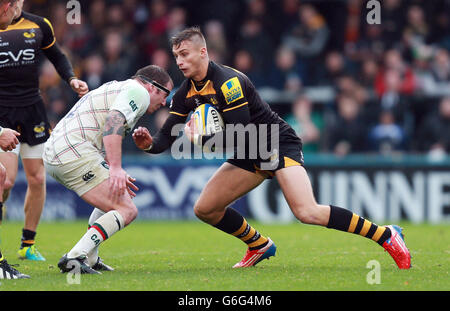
(164, 138)
(62, 65)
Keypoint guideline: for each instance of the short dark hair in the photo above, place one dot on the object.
(186, 34)
(155, 73)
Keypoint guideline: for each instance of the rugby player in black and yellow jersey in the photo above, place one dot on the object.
(234, 96)
(23, 44)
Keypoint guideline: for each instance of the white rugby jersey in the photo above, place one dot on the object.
(81, 130)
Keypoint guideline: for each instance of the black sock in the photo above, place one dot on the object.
(344, 220)
(1, 214)
(235, 224)
(27, 238)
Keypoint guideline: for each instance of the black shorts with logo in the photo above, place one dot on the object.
(289, 154)
(30, 121)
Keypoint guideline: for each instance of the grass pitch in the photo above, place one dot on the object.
(193, 256)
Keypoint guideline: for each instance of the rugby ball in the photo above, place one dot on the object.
(207, 120)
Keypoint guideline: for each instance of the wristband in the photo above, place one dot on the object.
(150, 147)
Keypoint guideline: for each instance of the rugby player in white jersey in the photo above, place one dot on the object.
(84, 153)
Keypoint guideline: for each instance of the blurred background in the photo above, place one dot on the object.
(370, 102)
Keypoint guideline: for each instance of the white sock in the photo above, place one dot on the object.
(92, 256)
(102, 229)
(96, 214)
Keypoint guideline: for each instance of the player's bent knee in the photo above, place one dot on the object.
(198, 211)
(306, 214)
(202, 212)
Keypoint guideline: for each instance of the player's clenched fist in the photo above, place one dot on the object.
(8, 139)
(79, 86)
(142, 138)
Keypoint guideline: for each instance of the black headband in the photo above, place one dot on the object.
(159, 86)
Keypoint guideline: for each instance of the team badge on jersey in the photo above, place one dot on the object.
(232, 90)
(133, 106)
(29, 34)
(214, 101)
(39, 130)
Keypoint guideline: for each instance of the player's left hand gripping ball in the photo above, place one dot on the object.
(190, 130)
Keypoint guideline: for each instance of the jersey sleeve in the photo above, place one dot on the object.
(177, 104)
(60, 61)
(48, 33)
(132, 102)
(233, 93)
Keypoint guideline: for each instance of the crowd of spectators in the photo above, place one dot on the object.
(391, 81)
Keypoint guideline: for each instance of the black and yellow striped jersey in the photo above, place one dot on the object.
(232, 94)
(226, 89)
(21, 47)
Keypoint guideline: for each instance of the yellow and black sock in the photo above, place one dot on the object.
(344, 220)
(27, 238)
(235, 224)
(1, 257)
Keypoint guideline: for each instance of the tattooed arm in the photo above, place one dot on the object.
(113, 133)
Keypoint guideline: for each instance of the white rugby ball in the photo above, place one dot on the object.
(207, 120)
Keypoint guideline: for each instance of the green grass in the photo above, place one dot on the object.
(185, 256)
